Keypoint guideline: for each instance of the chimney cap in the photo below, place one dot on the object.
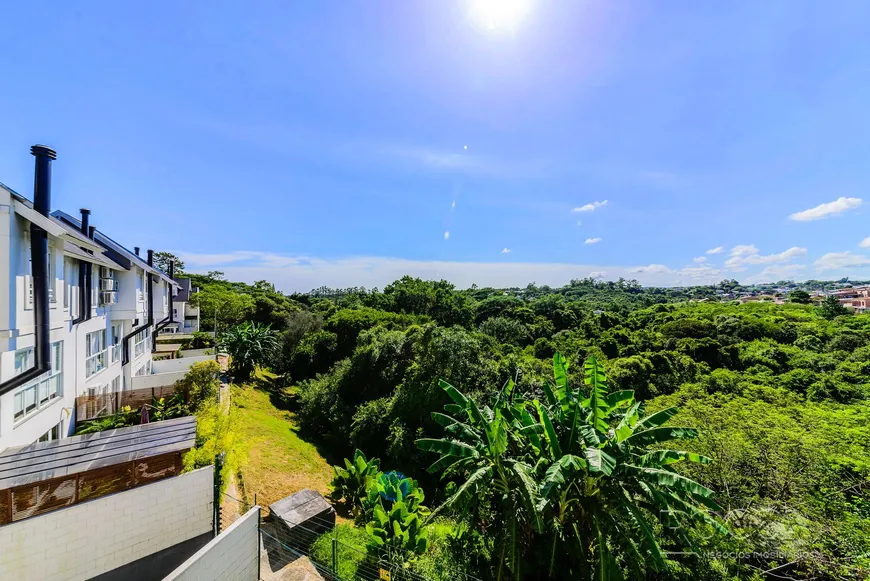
(43, 150)
(85, 211)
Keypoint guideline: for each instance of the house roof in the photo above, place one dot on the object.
(117, 252)
(71, 249)
(183, 294)
(47, 460)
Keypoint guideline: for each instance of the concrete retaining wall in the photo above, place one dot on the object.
(92, 538)
(231, 556)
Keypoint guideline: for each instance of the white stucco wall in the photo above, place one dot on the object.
(231, 556)
(180, 364)
(94, 537)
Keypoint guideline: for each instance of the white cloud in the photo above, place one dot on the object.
(591, 206)
(700, 259)
(744, 250)
(579, 222)
(592, 240)
(446, 234)
(652, 268)
(838, 206)
(865, 243)
(453, 205)
(838, 260)
(701, 274)
(716, 250)
(748, 254)
(505, 250)
(205, 260)
(303, 273)
(776, 273)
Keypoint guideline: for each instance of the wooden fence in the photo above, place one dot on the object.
(34, 499)
(89, 407)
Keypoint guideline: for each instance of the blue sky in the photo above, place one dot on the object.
(338, 142)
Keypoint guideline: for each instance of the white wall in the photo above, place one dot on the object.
(198, 352)
(180, 364)
(231, 556)
(20, 318)
(161, 380)
(94, 537)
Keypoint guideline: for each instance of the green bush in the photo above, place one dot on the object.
(350, 550)
(216, 432)
(200, 384)
(201, 340)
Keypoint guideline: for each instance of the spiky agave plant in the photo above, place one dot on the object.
(596, 497)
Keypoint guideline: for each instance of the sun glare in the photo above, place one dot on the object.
(499, 14)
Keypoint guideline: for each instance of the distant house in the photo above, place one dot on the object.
(185, 314)
(859, 305)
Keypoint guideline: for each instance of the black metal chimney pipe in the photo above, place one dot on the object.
(39, 271)
(136, 250)
(150, 304)
(125, 359)
(86, 220)
(169, 319)
(85, 276)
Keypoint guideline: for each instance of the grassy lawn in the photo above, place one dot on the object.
(279, 462)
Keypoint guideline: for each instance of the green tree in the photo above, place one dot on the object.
(222, 305)
(832, 308)
(249, 345)
(162, 260)
(799, 296)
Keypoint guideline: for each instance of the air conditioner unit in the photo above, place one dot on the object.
(108, 297)
(108, 284)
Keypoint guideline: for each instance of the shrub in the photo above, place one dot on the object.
(201, 384)
(216, 432)
(352, 482)
(201, 340)
(350, 550)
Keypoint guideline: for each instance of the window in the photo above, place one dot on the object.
(52, 434)
(28, 275)
(66, 278)
(95, 288)
(35, 396)
(52, 276)
(141, 341)
(139, 285)
(23, 360)
(72, 287)
(117, 335)
(96, 353)
(116, 384)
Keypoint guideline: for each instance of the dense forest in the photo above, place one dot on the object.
(773, 412)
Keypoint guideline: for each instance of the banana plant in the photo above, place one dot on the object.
(351, 483)
(574, 479)
(489, 448)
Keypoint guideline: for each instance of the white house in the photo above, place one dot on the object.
(185, 314)
(77, 316)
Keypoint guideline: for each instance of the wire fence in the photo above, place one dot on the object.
(313, 549)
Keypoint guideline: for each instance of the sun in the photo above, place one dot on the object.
(499, 14)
